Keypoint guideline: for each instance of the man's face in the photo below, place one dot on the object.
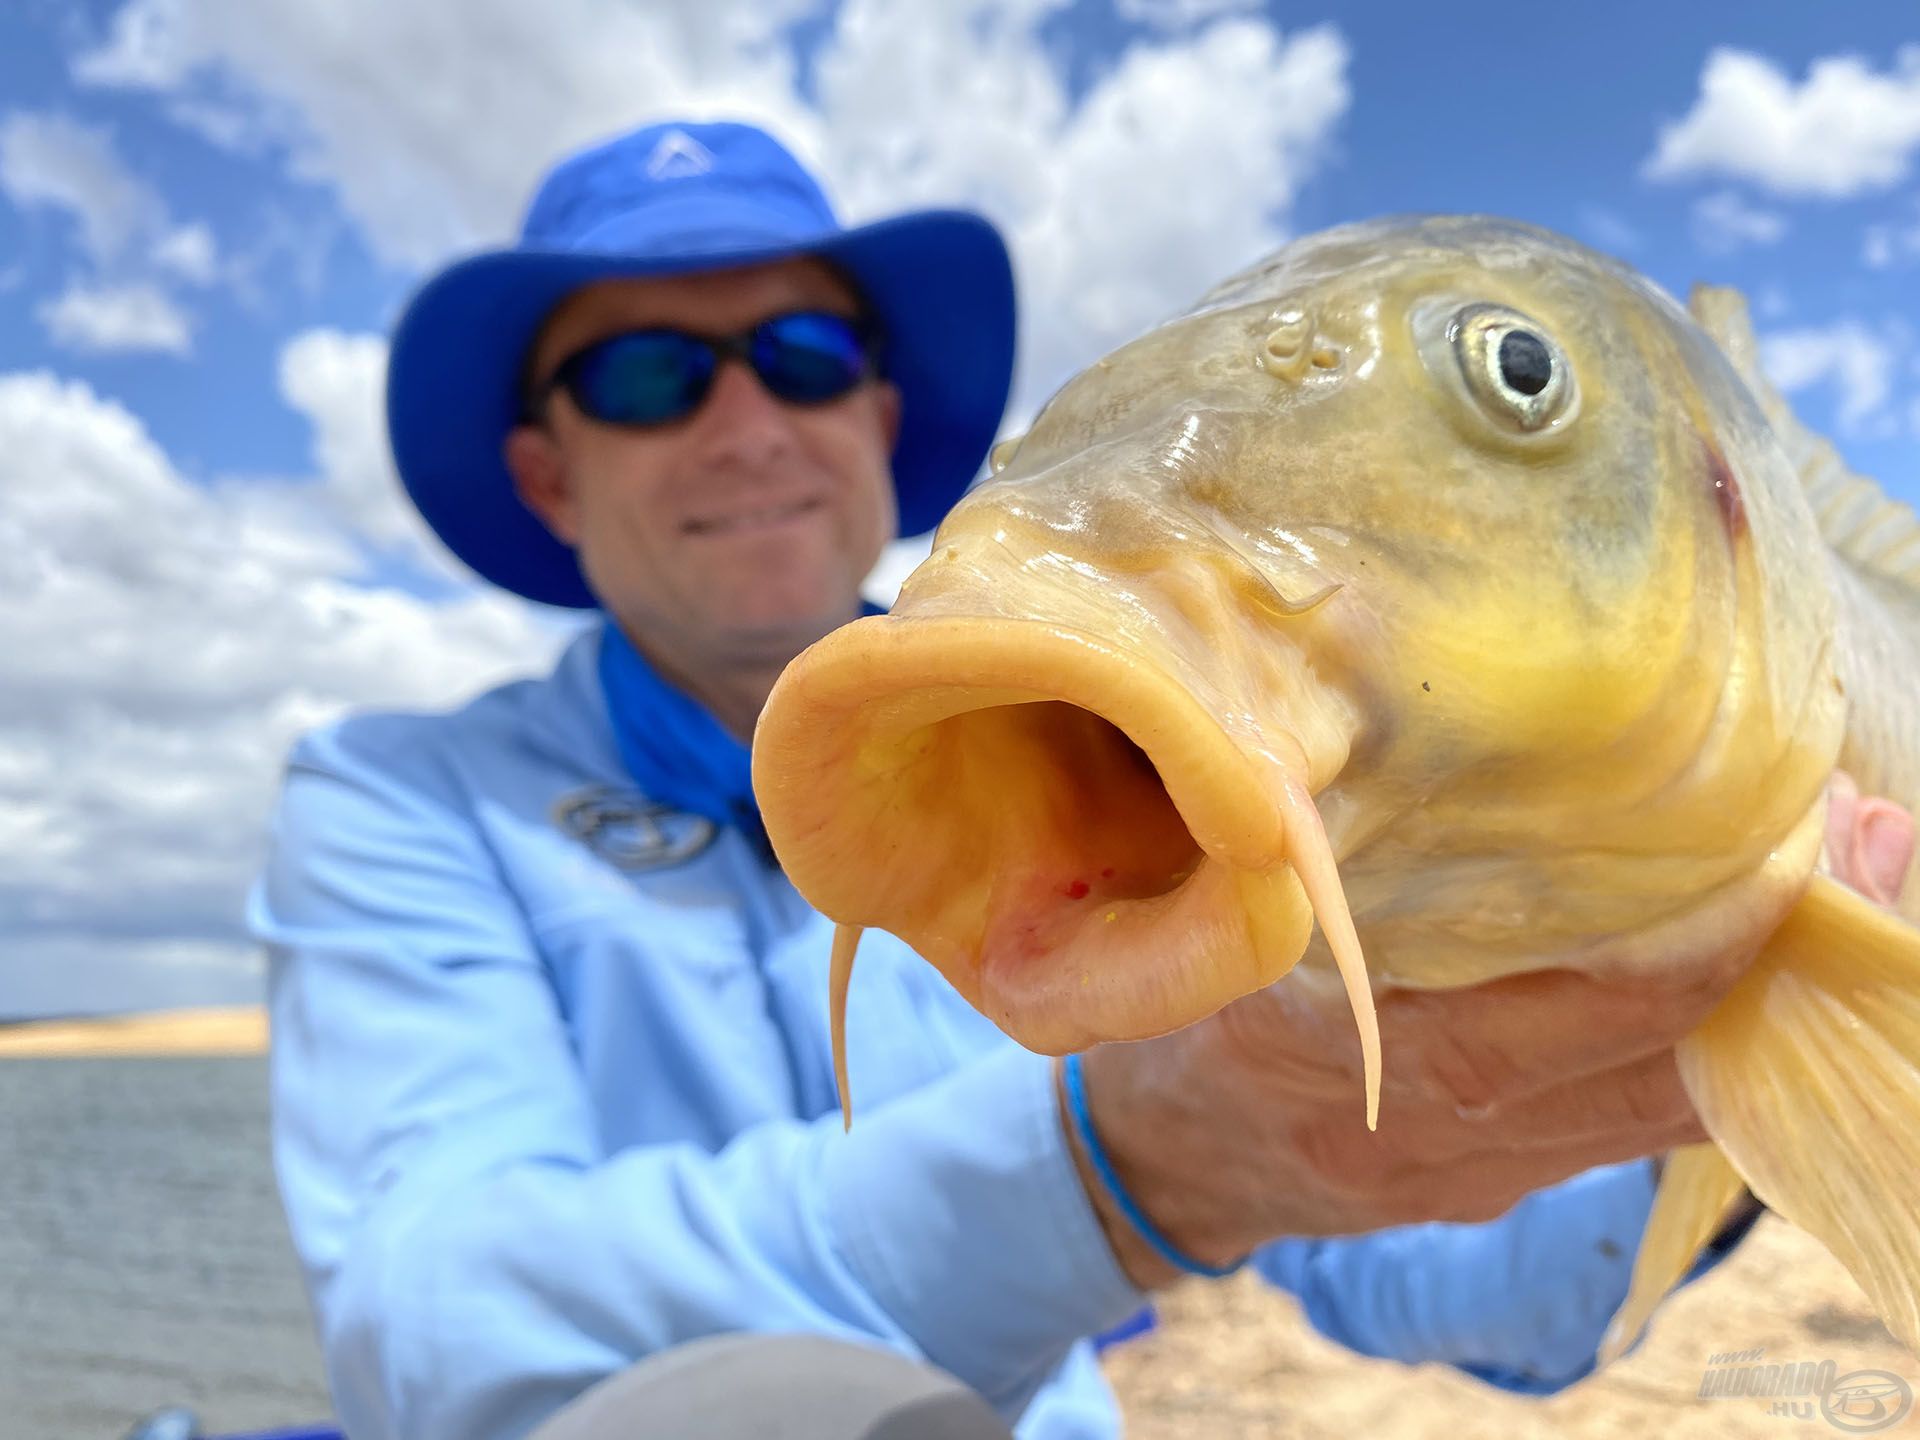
(741, 533)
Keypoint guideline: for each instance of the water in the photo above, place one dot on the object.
(143, 1258)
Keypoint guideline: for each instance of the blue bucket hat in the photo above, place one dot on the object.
(665, 200)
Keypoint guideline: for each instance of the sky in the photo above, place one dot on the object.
(212, 211)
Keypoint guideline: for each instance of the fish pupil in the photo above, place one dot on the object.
(1525, 364)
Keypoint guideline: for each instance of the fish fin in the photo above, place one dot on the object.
(846, 940)
(1698, 1189)
(1808, 1077)
(1877, 535)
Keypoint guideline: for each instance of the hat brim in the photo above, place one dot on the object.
(940, 282)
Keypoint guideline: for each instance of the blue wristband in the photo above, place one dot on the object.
(1103, 1167)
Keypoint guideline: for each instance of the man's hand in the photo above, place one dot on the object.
(1246, 1126)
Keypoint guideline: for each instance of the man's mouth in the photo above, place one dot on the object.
(764, 517)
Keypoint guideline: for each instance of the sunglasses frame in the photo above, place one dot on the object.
(736, 346)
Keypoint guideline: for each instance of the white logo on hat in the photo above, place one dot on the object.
(678, 155)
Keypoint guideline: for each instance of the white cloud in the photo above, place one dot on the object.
(1180, 14)
(335, 381)
(1856, 364)
(144, 50)
(338, 383)
(1845, 130)
(433, 159)
(52, 161)
(1608, 230)
(188, 252)
(1723, 222)
(1891, 243)
(166, 642)
(117, 318)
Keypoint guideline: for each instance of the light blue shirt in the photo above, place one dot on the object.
(538, 1112)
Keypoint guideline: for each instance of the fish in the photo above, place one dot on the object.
(1435, 600)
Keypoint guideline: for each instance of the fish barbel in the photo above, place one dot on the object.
(1434, 601)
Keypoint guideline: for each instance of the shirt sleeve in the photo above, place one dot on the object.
(476, 1257)
(1521, 1302)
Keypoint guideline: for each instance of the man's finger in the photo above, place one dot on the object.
(1494, 1044)
(1500, 1178)
(1643, 1103)
(1468, 1048)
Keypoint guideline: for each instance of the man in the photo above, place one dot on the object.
(552, 1094)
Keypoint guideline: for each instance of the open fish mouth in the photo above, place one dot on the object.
(1084, 846)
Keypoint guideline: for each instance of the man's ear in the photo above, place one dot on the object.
(540, 478)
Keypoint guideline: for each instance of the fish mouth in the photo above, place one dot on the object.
(1088, 847)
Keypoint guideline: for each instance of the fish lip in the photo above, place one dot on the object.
(941, 656)
(868, 689)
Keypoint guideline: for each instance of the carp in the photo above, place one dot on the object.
(1435, 600)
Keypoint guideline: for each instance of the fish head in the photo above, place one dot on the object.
(1435, 579)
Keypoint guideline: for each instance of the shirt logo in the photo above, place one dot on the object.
(629, 831)
(678, 155)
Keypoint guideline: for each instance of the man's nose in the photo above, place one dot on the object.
(742, 423)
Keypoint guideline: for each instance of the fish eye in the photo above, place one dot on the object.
(1512, 367)
(1526, 365)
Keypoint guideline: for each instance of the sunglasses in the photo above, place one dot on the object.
(655, 377)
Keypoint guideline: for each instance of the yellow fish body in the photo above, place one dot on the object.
(1446, 584)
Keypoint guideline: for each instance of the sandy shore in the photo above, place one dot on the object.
(214, 1032)
(1235, 1359)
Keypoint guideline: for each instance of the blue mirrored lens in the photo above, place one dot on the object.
(808, 358)
(643, 378)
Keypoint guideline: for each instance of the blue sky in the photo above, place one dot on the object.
(211, 210)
